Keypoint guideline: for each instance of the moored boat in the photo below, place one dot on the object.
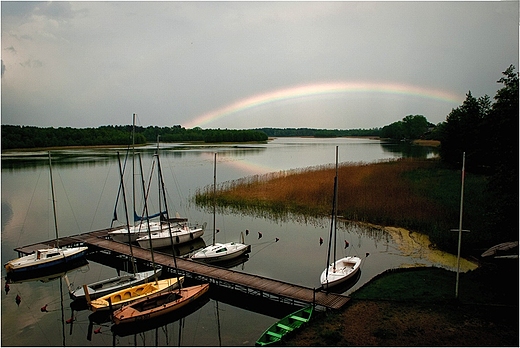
(48, 259)
(220, 251)
(156, 305)
(287, 324)
(119, 298)
(180, 233)
(110, 285)
(340, 271)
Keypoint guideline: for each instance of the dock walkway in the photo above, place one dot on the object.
(249, 283)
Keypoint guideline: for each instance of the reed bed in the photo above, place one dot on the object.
(410, 193)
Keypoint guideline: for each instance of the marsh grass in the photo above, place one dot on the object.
(420, 195)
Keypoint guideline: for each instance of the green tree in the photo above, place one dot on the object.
(501, 126)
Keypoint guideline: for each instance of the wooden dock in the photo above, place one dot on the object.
(248, 283)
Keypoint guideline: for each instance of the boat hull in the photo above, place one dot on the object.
(340, 271)
(120, 298)
(287, 324)
(221, 252)
(121, 235)
(158, 305)
(44, 260)
(163, 240)
(107, 286)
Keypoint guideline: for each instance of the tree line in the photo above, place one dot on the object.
(23, 137)
(487, 132)
(318, 133)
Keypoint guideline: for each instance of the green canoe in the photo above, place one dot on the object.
(285, 325)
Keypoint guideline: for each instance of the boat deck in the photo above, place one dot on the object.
(249, 283)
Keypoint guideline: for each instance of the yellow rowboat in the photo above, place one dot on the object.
(157, 305)
(123, 297)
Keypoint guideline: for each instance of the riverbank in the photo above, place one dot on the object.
(417, 307)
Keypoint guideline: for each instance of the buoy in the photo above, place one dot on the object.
(18, 300)
(247, 232)
(44, 309)
(7, 288)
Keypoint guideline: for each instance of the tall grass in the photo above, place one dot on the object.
(420, 195)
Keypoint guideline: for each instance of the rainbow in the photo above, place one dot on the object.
(321, 89)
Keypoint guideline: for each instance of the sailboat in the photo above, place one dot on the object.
(111, 285)
(345, 268)
(173, 230)
(44, 260)
(220, 251)
(157, 305)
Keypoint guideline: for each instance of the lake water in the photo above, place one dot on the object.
(86, 184)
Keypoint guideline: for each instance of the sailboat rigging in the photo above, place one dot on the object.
(164, 302)
(110, 285)
(345, 268)
(220, 251)
(139, 228)
(127, 295)
(45, 259)
(173, 230)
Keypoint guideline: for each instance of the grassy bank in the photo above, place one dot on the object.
(417, 307)
(420, 195)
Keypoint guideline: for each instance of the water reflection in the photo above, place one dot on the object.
(410, 151)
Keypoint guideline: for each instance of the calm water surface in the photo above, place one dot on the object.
(86, 184)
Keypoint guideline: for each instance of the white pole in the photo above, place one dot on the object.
(460, 225)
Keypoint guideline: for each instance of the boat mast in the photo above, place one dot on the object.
(335, 207)
(214, 196)
(167, 216)
(147, 215)
(121, 175)
(133, 166)
(332, 224)
(54, 204)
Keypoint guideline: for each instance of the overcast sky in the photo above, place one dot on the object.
(250, 64)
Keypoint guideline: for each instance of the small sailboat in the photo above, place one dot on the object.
(44, 260)
(220, 251)
(156, 305)
(110, 285)
(274, 334)
(125, 296)
(179, 233)
(173, 231)
(345, 268)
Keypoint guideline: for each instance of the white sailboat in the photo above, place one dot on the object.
(173, 230)
(220, 251)
(44, 260)
(345, 268)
